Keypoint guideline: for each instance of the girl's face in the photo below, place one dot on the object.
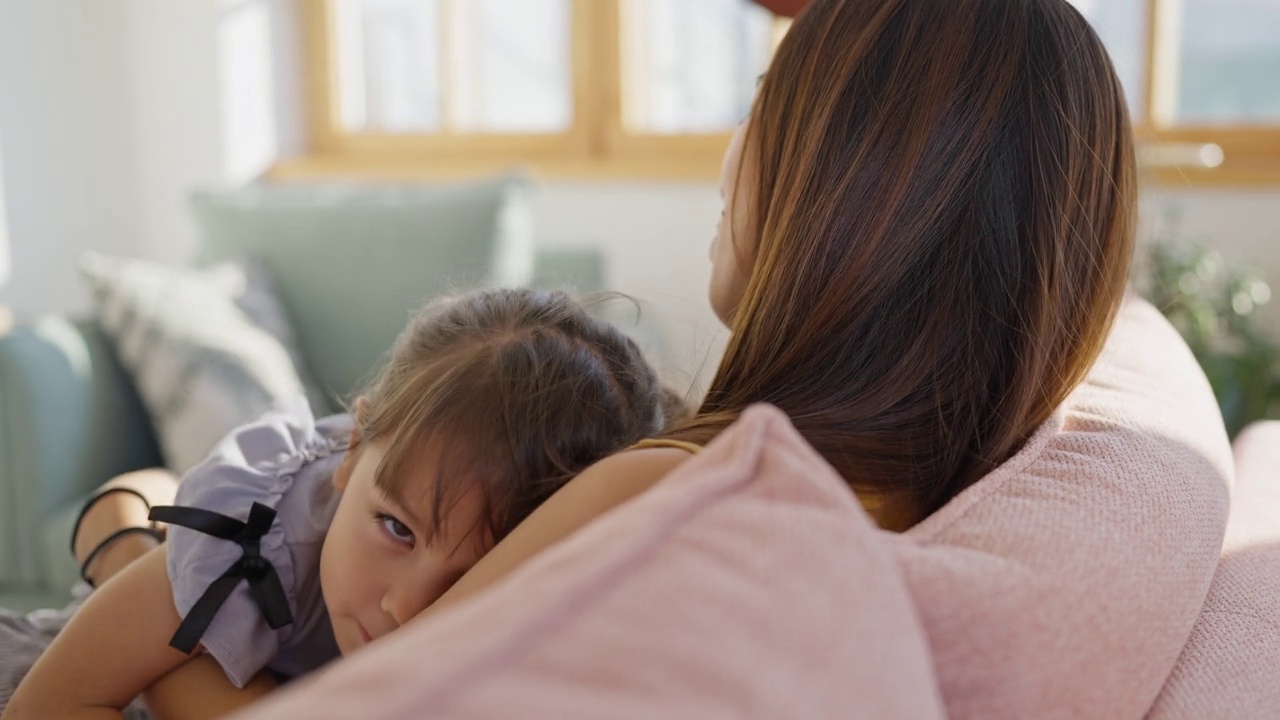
(376, 572)
(734, 248)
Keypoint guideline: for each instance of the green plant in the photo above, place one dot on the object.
(1213, 304)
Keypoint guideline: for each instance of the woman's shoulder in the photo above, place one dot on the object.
(624, 475)
(650, 443)
(601, 487)
(594, 492)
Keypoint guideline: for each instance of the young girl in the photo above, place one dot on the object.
(298, 539)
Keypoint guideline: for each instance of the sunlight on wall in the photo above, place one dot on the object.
(245, 73)
(4, 229)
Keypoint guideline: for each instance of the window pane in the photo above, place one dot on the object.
(510, 65)
(1122, 26)
(692, 66)
(503, 65)
(389, 65)
(1229, 62)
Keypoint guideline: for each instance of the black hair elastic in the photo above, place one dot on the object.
(150, 530)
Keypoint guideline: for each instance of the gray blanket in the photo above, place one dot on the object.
(23, 637)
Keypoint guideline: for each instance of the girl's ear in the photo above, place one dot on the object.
(342, 474)
(361, 413)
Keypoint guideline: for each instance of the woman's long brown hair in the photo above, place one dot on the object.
(944, 198)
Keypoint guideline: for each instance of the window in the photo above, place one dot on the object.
(651, 88)
(431, 66)
(1203, 80)
(692, 66)
(638, 88)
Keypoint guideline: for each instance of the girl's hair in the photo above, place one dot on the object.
(944, 202)
(518, 390)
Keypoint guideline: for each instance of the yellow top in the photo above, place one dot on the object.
(663, 443)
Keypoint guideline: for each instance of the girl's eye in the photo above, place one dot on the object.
(395, 528)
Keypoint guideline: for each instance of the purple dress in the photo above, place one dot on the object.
(283, 463)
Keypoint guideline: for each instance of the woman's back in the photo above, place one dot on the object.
(939, 229)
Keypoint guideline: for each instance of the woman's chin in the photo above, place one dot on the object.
(714, 300)
(724, 311)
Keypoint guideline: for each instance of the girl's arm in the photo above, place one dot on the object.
(596, 490)
(117, 646)
(200, 690)
(170, 698)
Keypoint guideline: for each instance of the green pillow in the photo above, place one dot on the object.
(351, 263)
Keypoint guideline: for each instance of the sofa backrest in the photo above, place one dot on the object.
(351, 263)
(1066, 583)
(71, 421)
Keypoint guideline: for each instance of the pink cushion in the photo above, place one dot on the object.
(1231, 666)
(1065, 584)
(749, 584)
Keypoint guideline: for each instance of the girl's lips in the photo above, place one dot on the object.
(364, 634)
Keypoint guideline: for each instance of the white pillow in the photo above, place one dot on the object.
(208, 350)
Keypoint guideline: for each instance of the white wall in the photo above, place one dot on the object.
(65, 126)
(656, 239)
(111, 110)
(4, 226)
(171, 54)
(216, 99)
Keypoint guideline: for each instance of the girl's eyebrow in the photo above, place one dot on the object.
(395, 498)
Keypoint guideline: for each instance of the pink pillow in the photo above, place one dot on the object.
(1065, 583)
(749, 584)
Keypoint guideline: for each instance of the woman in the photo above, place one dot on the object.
(927, 234)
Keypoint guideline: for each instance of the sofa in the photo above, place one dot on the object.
(348, 263)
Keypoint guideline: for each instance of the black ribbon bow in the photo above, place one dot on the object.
(264, 583)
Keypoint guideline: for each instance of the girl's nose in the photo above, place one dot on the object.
(409, 596)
